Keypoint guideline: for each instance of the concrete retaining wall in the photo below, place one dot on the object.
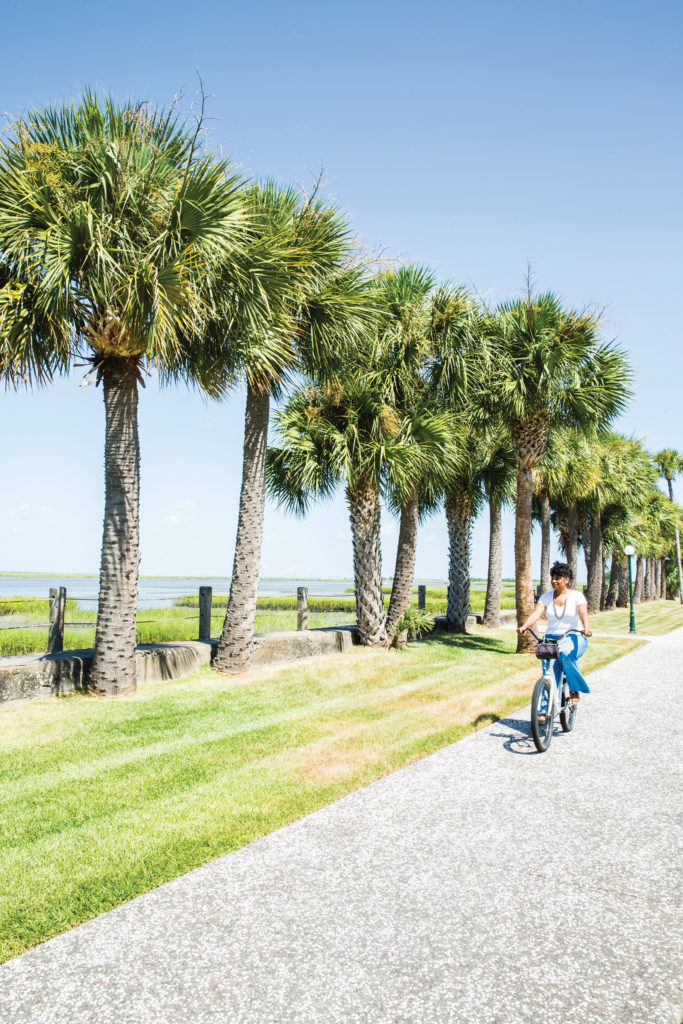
(43, 675)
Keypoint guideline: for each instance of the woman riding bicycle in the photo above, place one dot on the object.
(564, 608)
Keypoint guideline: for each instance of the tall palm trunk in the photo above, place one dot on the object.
(638, 584)
(494, 584)
(545, 544)
(364, 511)
(530, 440)
(662, 589)
(573, 540)
(235, 647)
(459, 519)
(623, 597)
(404, 572)
(658, 578)
(678, 546)
(648, 585)
(562, 527)
(113, 666)
(585, 537)
(615, 568)
(596, 565)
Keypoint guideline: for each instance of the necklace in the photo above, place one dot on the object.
(564, 608)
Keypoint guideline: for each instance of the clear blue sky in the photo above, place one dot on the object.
(468, 137)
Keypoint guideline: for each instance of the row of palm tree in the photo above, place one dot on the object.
(125, 245)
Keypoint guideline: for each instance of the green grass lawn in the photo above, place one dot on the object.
(652, 619)
(101, 800)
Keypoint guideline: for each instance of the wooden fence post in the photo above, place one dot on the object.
(55, 642)
(205, 601)
(422, 597)
(301, 608)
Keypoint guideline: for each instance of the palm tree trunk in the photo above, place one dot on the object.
(658, 578)
(638, 585)
(113, 665)
(614, 577)
(494, 585)
(648, 587)
(235, 646)
(459, 519)
(530, 440)
(585, 532)
(404, 572)
(562, 527)
(622, 598)
(545, 544)
(678, 548)
(524, 586)
(364, 510)
(662, 588)
(573, 540)
(596, 564)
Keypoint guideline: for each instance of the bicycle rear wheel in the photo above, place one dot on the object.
(542, 732)
(568, 712)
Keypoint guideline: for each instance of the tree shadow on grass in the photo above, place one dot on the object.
(488, 718)
(468, 642)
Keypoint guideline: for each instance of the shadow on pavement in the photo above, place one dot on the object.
(520, 742)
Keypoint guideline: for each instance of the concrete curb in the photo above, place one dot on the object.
(32, 676)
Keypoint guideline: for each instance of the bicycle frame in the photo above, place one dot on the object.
(548, 673)
(555, 686)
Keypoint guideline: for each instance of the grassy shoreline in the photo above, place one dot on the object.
(136, 792)
(275, 613)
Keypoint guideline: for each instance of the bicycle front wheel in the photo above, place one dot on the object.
(541, 717)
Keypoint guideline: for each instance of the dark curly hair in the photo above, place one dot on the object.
(561, 569)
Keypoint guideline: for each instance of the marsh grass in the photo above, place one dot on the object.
(155, 625)
(180, 621)
(101, 800)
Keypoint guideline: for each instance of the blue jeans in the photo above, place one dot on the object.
(568, 660)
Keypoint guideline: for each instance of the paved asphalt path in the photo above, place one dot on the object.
(486, 884)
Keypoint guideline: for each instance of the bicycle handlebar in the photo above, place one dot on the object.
(528, 629)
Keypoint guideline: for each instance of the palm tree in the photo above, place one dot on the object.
(464, 496)
(498, 479)
(415, 315)
(459, 364)
(550, 370)
(322, 304)
(669, 462)
(403, 295)
(414, 496)
(573, 475)
(344, 432)
(555, 480)
(111, 218)
(622, 486)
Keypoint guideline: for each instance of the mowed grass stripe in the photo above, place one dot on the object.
(112, 798)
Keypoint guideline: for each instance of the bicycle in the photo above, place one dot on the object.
(548, 700)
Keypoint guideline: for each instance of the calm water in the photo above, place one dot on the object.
(154, 592)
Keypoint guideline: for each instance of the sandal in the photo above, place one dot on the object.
(542, 719)
(574, 697)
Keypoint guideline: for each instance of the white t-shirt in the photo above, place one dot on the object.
(568, 617)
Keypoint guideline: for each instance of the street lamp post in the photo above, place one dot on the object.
(630, 551)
